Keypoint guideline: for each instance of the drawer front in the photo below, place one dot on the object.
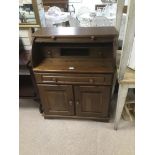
(105, 79)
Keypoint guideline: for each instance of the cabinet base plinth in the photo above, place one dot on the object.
(104, 119)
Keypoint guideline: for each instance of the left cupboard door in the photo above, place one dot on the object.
(57, 99)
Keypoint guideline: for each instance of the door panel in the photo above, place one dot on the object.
(57, 99)
(92, 101)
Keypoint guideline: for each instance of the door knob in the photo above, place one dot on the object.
(70, 103)
(77, 102)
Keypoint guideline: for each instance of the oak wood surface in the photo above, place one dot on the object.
(81, 65)
(102, 119)
(76, 32)
(57, 99)
(78, 79)
(92, 101)
(74, 70)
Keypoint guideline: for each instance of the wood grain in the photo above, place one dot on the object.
(74, 69)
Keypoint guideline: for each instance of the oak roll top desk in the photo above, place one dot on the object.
(74, 70)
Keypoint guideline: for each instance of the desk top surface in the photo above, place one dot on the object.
(81, 65)
(76, 31)
(129, 76)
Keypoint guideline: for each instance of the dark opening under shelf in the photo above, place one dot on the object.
(26, 86)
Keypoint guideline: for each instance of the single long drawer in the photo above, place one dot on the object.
(97, 79)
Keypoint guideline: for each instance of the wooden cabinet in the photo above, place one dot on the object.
(74, 70)
(59, 3)
(89, 101)
(57, 99)
(92, 101)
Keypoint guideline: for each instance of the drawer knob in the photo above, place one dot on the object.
(91, 80)
(71, 68)
(92, 38)
(53, 37)
(54, 79)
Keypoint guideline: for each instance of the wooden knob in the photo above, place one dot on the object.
(91, 80)
(77, 102)
(70, 102)
(92, 38)
(71, 68)
(54, 79)
(53, 37)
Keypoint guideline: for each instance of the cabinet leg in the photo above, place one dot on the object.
(40, 108)
(114, 84)
(122, 93)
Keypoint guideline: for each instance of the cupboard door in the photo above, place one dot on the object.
(92, 101)
(57, 99)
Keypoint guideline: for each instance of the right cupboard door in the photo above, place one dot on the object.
(92, 101)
